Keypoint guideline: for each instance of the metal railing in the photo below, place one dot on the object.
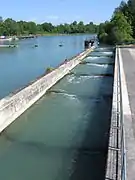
(116, 162)
(122, 165)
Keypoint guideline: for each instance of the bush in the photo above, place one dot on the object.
(103, 37)
(49, 69)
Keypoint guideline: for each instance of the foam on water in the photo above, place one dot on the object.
(108, 53)
(93, 58)
(84, 78)
(105, 48)
(77, 79)
(61, 90)
(98, 65)
(71, 78)
(102, 48)
(71, 96)
(65, 94)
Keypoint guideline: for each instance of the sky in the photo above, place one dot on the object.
(58, 11)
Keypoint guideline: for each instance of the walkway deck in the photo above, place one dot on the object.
(128, 58)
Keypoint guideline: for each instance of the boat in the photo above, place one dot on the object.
(60, 45)
(4, 39)
(8, 45)
(8, 42)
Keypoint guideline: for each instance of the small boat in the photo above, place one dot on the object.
(4, 39)
(8, 46)
(60, 45)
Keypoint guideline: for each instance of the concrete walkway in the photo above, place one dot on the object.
(127, 65)
(128, 57)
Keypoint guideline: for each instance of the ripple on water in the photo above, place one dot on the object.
(101, 53)
(92, 58)
(98, 65)
(79, 79)
(104, 49)
(66, 95)
(71, 78)
(101, 60)
(108, 53)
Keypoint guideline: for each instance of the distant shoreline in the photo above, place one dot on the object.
(48, 34)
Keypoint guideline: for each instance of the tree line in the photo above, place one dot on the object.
(11, 27)
(121, 27)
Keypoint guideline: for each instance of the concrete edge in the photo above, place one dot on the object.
(81, 56)
(111, 158)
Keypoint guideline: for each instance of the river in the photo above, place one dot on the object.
(21, 65)
(64, 136)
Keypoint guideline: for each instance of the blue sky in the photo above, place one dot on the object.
(58, 11)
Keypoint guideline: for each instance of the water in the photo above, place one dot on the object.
(64, 136)
(21, 65)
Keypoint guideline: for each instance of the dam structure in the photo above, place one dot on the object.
(74, 123)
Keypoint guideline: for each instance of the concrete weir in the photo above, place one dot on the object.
(12, 106)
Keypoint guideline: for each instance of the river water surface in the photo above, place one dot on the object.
(64, 136)
(19, 66)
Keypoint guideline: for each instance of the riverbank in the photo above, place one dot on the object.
(49, 34)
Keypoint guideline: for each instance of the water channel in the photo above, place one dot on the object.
(64, 136)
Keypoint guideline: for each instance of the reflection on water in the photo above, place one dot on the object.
(64, 136)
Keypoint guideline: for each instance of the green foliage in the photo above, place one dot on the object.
(103, 37)
(11, 27)
(121, 27)
(49, 69)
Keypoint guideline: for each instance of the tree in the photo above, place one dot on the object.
(128, 9)
(81, 27)
(11, 27)
(121, 27)
(32, 28)
(47, 27)
(39, 29)
(1, 19)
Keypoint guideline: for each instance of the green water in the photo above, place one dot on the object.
(64, 136)
(19, 66)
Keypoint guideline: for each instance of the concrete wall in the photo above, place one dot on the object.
(13, 106)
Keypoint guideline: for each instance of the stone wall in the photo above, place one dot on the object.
(11, 107)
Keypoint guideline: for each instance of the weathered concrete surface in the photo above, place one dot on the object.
(127, 70)
(12, 107)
